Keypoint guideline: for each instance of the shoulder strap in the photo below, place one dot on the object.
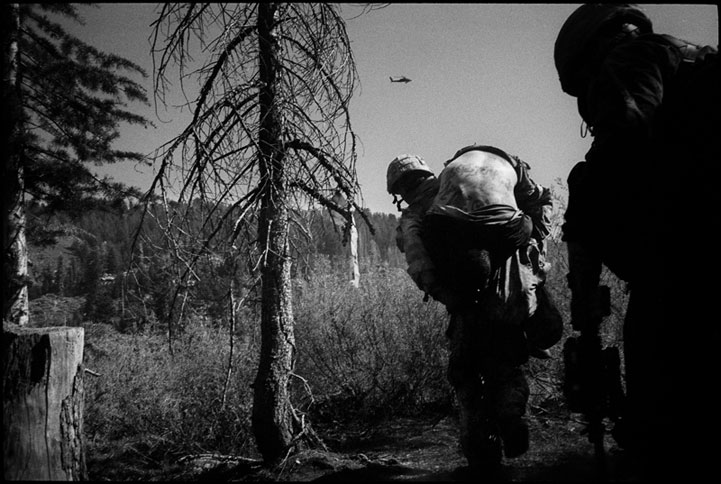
(487, 149)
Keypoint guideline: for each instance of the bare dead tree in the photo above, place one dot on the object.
(270, 132)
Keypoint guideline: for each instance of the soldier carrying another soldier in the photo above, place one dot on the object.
(473, 240)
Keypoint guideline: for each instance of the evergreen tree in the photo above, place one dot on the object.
(91, 279)
(59, 288)
(62, 103)
(70, 279)
(46, 280)
(74, 99)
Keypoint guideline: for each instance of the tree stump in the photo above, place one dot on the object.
(43, 403)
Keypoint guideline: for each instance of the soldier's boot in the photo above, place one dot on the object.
(483, 455)
(509, 392)
(478, 435)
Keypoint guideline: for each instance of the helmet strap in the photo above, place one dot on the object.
(397, 202)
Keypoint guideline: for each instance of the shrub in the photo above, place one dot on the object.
(159, 405)
(376, 350)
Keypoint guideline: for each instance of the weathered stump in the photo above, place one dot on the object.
(43, 403)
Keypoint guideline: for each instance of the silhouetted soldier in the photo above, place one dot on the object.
(644, 203)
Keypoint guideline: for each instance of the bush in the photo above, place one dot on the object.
(372, 351)
(368, 353)
(376, 350)
(160, 405)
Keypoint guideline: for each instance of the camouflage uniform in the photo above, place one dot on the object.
(484, 255)
(488, 328)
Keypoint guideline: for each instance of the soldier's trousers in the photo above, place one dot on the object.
(485, 372)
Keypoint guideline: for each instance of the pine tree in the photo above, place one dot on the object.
(46, 280)
(91, 279)
(69, 279)
(62, 103)
(59, 288)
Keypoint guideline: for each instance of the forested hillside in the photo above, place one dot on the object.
(96, 266)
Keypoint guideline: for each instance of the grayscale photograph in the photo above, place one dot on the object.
(360, 242)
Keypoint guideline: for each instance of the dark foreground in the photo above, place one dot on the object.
(402, 450)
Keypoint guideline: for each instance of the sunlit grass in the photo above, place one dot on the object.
(362, 355)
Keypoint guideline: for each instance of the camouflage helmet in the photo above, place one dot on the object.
(582, 28)
(401, 165)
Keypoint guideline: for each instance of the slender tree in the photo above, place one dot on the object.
(270, 132)
(15, 257)
(59, 279)
(62, 104)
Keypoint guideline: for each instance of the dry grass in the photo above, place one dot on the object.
(152, 407)
(363, 355)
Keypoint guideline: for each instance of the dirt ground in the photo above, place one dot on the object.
(420, 451)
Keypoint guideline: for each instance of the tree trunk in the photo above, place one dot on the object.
(15, 255)
(353, 242)
(273, 420)
(43, 403)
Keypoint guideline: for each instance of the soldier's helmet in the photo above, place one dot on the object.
(582, 29)
(401, 165)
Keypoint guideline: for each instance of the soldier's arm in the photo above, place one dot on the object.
(420, 265)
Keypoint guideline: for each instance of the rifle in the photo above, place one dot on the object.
(592, 380)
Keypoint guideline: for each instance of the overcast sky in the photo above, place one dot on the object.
(481, 73)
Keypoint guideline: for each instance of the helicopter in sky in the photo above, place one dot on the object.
(402, 79)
